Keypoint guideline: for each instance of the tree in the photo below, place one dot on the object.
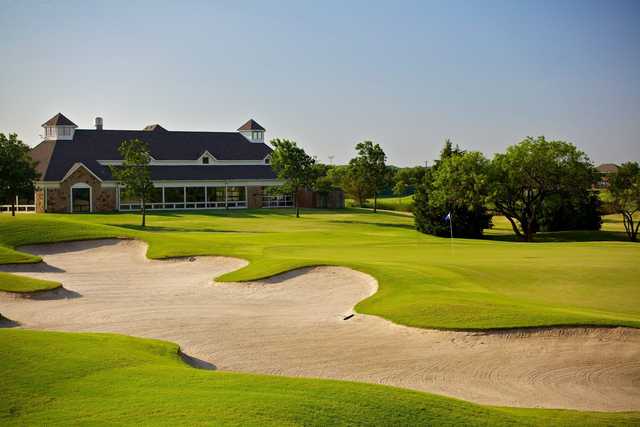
(355, 183)
(293, 166)
(625, 191)
(459, 186)
(530, 172)
(448, 151)
(135, 173)
(17, 169)
(370, 167)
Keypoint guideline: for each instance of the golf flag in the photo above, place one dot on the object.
(448, 217)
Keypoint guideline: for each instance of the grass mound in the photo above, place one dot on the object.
(114, 379)
(14, 283)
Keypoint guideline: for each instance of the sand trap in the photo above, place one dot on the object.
(293, 325)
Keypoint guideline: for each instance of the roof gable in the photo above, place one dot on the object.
(59, 120)
(251, 125)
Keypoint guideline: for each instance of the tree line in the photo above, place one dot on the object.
(538, 185)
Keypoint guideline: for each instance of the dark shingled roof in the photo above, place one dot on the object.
(251, 125)
(90, 145)
(58, 120)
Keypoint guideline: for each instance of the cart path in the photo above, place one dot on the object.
(293, 325)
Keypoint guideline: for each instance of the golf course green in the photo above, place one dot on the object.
(53, 378)
(570, 278)
(576, 278)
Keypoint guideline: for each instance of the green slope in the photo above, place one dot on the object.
(52, 378)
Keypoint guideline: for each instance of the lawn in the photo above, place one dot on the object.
(105, 379)
(20, 284)
(574, 278)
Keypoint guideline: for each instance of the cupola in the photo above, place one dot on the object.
(59, 128)
(252, 131)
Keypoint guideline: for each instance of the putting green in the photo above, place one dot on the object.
(574, 278)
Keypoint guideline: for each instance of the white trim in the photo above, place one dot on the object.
(75, 167)
(81, 185)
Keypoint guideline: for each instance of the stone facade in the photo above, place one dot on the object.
(59, 199)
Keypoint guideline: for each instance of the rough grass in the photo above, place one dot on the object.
(574, 278)
(105, 379)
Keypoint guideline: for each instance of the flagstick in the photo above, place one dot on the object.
(451, 230)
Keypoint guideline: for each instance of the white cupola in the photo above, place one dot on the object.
(59, 128)
(252, 131)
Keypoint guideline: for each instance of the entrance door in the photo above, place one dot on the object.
(80, 200)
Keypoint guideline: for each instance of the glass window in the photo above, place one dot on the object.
(195, 194)
(205, 160)
(236, 194)
(81, 199)
(126, 197)
(174, 194)
(215, 194)
(156, 195)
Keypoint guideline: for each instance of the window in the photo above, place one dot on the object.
(174, 194)
(195, 194)
(267, 160)
(205, 160)
(236, 194)
(215, 194)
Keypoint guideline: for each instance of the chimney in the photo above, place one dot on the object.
(98, 123)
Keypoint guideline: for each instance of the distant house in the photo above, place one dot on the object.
(605, 171)
(190, 170)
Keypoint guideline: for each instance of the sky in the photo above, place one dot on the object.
(327, 74)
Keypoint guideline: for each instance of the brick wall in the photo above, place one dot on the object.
(254, 197)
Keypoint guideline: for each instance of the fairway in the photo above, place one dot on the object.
(574, 278)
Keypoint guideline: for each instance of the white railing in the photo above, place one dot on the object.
(231, 204)
(19, 208)
(278, 201)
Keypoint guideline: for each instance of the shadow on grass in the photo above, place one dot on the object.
(375, 224)
(565, 236)
(176, 229)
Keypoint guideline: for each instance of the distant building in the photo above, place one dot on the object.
(605, 171)
(190, 170)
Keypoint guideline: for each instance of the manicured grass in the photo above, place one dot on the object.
(15, 283)
(425, 281)
(100, 379)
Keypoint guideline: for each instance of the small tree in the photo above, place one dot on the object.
(134, 173)
(531, 171)
(371, 168)
(355, 183)
(17, 169)
(293, 166)
(625, 191)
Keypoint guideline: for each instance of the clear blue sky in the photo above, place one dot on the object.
(329, 74)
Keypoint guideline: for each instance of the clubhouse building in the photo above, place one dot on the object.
(189, 170)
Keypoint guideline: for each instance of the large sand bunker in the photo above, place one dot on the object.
(293, 325)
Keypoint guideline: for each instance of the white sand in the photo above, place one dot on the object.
(292, 325)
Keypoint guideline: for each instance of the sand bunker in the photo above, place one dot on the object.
(293, 325)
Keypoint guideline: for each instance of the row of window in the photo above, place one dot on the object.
(256, 136)
(190, 195)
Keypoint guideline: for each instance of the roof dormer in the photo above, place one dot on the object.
(59, 128)
(252, 131)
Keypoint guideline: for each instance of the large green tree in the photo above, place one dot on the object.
(625, 192)
(134, 173)
(294, 166)
(370, 167)
(457, 188)
(17, 169)
(524, 177)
